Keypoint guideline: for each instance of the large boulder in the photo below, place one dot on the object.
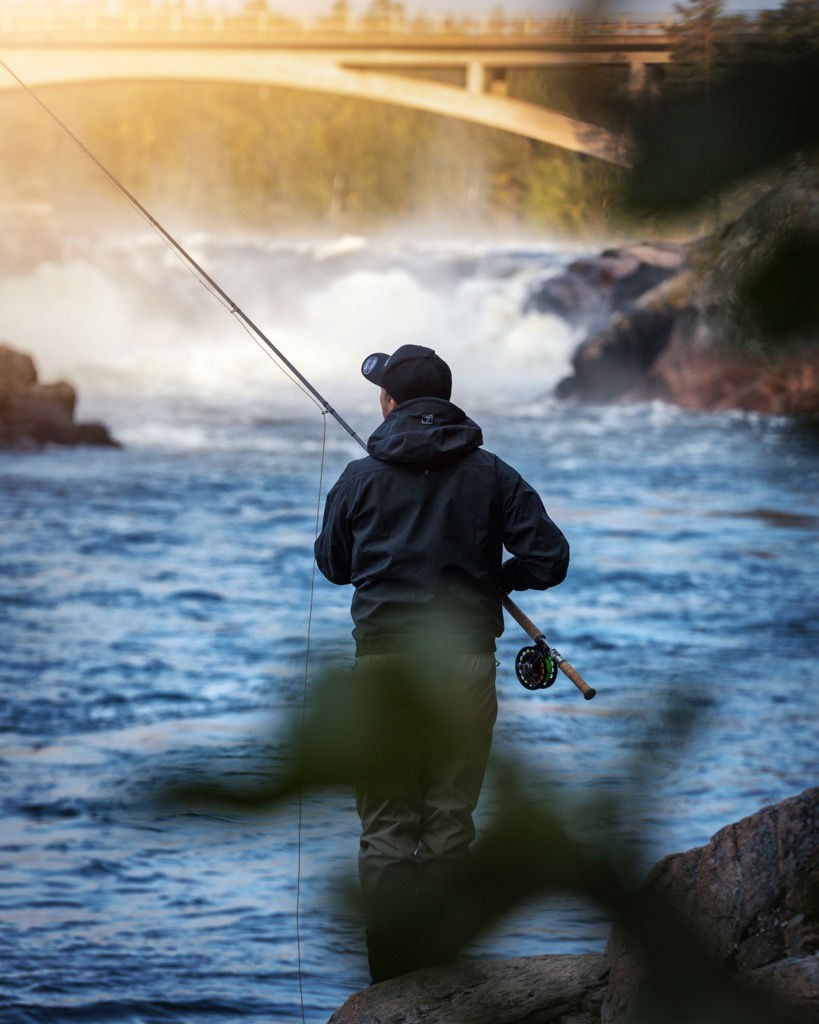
(665, 349)
(694, 373)
(17, 370)
(753, 894)
(33, 414)
(551, 989)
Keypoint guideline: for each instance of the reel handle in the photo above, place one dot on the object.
(565, 667)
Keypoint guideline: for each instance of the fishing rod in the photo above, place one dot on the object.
(536, 667)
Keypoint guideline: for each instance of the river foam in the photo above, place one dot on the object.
(127, 322)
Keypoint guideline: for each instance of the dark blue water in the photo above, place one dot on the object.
(153, 613)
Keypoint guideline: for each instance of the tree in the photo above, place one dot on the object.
(754, 117)
(790, 30)
(381, 15)
(704, 43)
(340, 13)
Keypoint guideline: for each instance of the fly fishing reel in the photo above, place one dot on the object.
(535, 669)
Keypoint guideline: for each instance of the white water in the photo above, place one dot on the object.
(132, 328)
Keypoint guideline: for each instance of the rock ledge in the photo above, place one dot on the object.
(33, 414)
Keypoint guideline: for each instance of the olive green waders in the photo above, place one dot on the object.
(414, 850)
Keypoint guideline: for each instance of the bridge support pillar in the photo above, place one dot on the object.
(475, 75)
(637, 77)
(498, 84)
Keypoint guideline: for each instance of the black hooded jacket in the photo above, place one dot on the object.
(419, 526)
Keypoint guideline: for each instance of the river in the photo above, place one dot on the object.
(154, 602)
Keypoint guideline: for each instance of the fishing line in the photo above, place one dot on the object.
(287, 368)
(304, 714)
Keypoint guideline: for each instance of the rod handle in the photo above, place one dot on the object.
(569, 670)
(521, 618)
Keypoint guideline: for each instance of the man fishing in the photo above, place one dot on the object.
(419, 528)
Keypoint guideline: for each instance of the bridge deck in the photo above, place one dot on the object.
(352, 62)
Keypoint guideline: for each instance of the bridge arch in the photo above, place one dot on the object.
(70, 65)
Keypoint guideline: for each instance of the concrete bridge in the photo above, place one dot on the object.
(369, 61)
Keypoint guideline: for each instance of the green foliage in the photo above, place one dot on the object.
(791, 29)
(757, 277)
(779, 299)
(730, 110)
(562, 185)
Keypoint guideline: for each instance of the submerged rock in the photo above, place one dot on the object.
(34, 414)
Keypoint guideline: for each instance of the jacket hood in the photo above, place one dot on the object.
(425, 432)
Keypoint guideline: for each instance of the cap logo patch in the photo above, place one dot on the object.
(369, 365)
(427, 419)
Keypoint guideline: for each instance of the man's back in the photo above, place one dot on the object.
(419, 528)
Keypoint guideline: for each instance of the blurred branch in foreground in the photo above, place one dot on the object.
(383, 727)
(760, 273)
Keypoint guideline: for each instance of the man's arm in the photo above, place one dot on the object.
(334, 545)
(540, 551)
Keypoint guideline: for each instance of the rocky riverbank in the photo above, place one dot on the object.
(679, 322)
(749, 898)
(33, 414)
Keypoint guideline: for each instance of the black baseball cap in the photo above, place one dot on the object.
(412, 371)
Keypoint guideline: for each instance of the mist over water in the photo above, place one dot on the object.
(154, 603)
(130, 324)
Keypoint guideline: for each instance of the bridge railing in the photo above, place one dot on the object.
(22, 23)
